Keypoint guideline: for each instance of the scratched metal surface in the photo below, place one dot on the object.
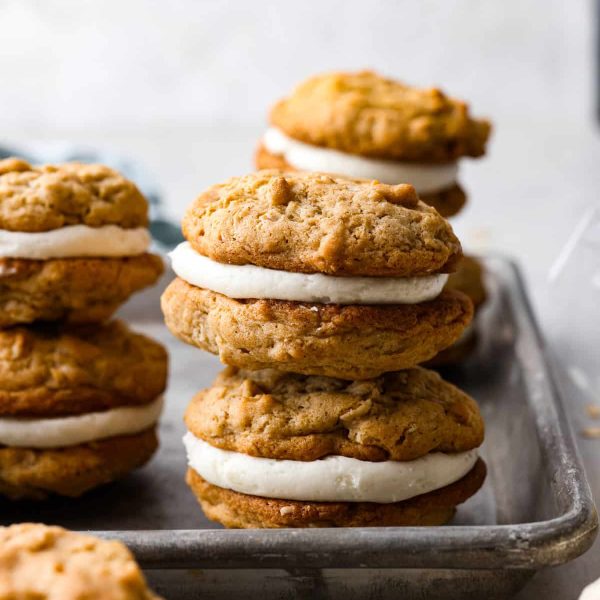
(534, 510)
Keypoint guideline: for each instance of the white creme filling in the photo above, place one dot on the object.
(61, 432)
(250, 281)
(331, 479)
(74, 241)
(306, 157)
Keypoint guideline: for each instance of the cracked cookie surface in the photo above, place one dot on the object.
(316, 223)
(52, 370)
(370, 115)
(399, 416)
(36, 199)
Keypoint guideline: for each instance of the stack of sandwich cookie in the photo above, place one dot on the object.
(315, 274)
(79, 398)
(50, 563)
(73, 242)
(364, 125)
(78, 406)
(273, 449)
(318, 291)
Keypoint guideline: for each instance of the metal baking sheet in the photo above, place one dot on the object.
(535, 509)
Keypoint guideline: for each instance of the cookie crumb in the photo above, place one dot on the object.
(402, 194)
(279, 191)
(286, 510)
(591, 432)
(249, 389)
(593, 411)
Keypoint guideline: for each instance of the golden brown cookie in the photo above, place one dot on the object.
(366, 114)
(34, 474)
(447, 202)
(237, 510)
(350, 342)
(50, 370)
(315, 223)
(468, 279)
(78, 290)
(456, 354)
(398, 416)
(39, 562)
(52, 196)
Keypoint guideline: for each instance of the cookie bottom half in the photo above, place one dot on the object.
(237, 510)
(79, 290)
(345, 341)
(35, 474)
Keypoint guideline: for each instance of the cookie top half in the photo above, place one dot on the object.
(35, 199)
(53, 370)
(398, 416)
(364, 113)
(316, 223)
(51, 563)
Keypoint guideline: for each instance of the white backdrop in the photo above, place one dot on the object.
(127, 63)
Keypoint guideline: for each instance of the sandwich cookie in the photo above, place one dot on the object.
(272, 449)
(73, 242)
(51, 563)
(78, 406)
(315, 274)
(364, 125)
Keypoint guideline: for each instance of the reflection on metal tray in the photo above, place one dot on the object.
(534, 510)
